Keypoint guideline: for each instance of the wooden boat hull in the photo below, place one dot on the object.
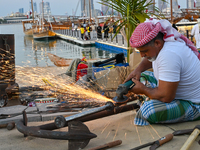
(43, 35)
(29, 32)
(59, 61)
(62, 62)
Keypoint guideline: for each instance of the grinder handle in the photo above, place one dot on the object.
(130, 84)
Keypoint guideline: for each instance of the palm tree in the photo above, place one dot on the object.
(131, 13)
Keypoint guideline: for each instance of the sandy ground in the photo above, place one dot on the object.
(107, 129)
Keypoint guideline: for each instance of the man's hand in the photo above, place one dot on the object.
(165, 92)
(134, 74)
(144, 65)
(138, 88)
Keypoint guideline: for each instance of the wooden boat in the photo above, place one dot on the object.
(28, 31)
(28, 26)
(59, 61)
(43, 33)
(62, 62)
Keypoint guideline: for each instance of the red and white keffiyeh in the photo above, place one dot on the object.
(148, 30)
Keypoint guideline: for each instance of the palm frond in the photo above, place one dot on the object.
(132, 12)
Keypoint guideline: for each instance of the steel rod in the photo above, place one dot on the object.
(60, 122)
(105, 113)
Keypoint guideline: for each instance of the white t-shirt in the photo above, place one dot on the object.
(195, 32)
(177, 62)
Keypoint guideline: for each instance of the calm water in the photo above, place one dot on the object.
(29, 52)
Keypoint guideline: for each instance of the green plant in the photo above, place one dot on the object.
(131, 13)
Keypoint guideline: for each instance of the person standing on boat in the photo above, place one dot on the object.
(106, 30)
(82, 32)
(171, 93)
(72, 26)
(88, 31)
(99, 33)
(114, 28)
(196, 33)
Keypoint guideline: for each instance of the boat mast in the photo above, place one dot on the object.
(171, 11)
(90, 9)
(32, 10)
(42, 15)
(84, 12)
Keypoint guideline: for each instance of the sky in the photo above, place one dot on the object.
(58, 7)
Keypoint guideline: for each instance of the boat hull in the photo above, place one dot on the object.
(59, 61)
(44, 35)
(29, 32)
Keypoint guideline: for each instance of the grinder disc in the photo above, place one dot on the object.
(123, 100)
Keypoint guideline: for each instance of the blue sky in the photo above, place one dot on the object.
(58, 7)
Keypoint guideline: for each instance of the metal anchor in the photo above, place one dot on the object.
(78, 133)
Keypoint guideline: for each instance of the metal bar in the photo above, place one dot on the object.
(143, 146)
(60, 122)
(111, 37)
(122, 40)
(186, 131)
(187, 34)
(105, 113)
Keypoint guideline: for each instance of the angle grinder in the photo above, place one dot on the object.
(122, 90)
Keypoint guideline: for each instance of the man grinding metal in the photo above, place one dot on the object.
(175, 82)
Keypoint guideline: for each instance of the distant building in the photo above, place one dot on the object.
(46, 8)
(21, 10)
(14, 18)
(86, 11)
(41, 7)
(150, 7)
(166, 6)
(162, 5)
(190, 4)
(105, 10)
(97, 12)
(34, 7)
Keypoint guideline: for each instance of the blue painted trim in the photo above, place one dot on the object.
(110, 48)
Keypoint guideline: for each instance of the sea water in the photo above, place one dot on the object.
(32, 53)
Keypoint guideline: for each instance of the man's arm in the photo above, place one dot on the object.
(165, 92)
(144, 65)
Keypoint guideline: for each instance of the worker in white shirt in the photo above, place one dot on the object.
(196, 33)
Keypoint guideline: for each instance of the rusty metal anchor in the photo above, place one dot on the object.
(78, 133)
(83, 136)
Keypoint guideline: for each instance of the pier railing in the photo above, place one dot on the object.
(118, 40)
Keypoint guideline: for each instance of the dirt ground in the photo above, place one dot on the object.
(107, 129)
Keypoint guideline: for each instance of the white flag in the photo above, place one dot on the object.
(195, 1)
